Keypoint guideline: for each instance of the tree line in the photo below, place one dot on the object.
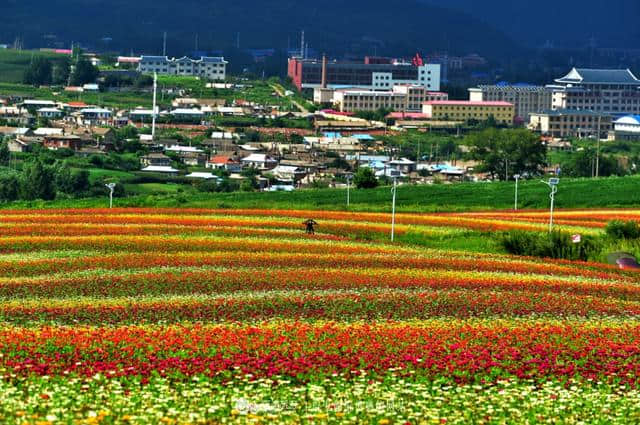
(64, 71)
(38, 179)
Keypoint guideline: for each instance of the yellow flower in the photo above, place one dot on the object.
(384, 422)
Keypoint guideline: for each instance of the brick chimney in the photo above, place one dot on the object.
(324, 71)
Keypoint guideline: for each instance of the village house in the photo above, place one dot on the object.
(15, 131)
(161, 169)
(403, 165)
(259, 161)
(94, 116)
(49, 113)
(155, 159)
(288, 173)
(224, 162)
(55, 142)
(48, 131)
(193, 159)
(22, 144)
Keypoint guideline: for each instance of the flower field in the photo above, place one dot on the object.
(236, 316)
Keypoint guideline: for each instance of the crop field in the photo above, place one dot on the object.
(221, 316)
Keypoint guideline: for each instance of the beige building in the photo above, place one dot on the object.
(526, 99)
(403, 98)
(464, 110)
(567, 123)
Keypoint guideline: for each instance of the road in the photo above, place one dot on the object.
(278, 89)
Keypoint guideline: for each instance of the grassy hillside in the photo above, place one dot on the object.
(13, 63)
(578, 193)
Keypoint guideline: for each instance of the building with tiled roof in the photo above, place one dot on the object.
(609, 91)
(627, 127)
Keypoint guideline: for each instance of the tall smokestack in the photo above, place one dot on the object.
(324, 71)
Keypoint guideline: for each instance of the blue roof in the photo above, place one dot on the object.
(332, 135)
(363, 137)
(599, 76)
(212, 59)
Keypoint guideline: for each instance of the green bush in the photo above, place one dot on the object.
(365, 178)
(618, 229)
(553, 245)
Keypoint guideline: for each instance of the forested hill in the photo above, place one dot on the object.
(567, 23)
(337, 26)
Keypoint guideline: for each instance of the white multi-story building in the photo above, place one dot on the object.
(627, 127)
(606, 91)
(527, 99)
(212, 68)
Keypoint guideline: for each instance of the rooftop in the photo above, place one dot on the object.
(629, 119)
(561, 112)
(467, 103)
(599, 76)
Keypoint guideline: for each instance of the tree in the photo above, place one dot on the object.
(583, 164)
(39, 72)
(61, 70)
(365, 178)
(340, 163)
(9, 184)
(83, 72)
(37, 182)
(71, 182)
(5, 154)
(503, 153)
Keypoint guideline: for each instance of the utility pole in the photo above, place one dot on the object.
(506, 169)
(349, 177)
(515, 206)
(553, 185)
(164, 44)
(153, 112)
(393, 208)
(598, 149)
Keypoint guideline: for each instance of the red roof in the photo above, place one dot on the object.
(221, 159)
(128, 59)
(77, 104)
(332, 112)
(467, 103)
(408, 116)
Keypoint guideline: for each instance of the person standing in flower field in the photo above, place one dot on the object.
(310, 226)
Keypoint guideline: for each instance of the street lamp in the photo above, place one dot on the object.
(553, 185)
(515, 205)
(111, 187)
(393, 208)
(349, 177)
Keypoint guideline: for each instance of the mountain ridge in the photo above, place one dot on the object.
(357, 27)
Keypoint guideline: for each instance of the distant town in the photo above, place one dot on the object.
(137, 121)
